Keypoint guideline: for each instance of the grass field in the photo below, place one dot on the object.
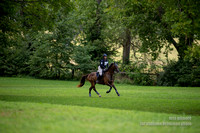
(34, 105)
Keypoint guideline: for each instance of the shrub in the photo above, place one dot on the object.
(185, 72)
(181, 73)
(135, 74)
(141, 78)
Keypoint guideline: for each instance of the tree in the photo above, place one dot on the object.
(119, 28)
(50, 58)
(158, 21)
(83, 59)
(20, 21)
(52, 50)
(92, 23)
(181, 19)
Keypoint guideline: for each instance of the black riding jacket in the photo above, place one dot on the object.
(103, 64)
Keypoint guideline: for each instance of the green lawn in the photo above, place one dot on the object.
(34, 105)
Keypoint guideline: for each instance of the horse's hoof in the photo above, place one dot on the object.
(99, 95)
(118, 94)
(107, 91)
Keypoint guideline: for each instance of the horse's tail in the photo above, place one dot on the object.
(82, 81)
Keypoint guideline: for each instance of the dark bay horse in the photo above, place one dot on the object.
(107, 79)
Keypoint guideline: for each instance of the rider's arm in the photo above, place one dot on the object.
(101, 64)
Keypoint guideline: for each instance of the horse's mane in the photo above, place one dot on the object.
(109, 67)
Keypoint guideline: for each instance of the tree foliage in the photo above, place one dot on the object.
(52, 39)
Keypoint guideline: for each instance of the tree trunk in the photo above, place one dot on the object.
(72, 74)
(99, 1)
(126, 47)
(184, 43)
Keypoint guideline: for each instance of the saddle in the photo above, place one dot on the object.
(97, 74)
(99, 77)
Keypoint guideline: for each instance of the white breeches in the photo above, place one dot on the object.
(100, 71)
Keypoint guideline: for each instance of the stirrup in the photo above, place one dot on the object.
(97, 74)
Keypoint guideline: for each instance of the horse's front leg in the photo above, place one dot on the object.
(110, 87)
(109, 90)
(116, 90)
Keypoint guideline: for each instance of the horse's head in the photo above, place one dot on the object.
(116, 67)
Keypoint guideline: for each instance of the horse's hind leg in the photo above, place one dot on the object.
(96, 91)
(93, 86)
(90, 91)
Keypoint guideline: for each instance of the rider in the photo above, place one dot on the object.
(103, 65)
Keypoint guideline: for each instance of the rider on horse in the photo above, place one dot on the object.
(103, 65)
(106, 79)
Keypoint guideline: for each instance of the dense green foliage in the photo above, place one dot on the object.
(184, 72)
(180, 73)
(136, 75)
(33, 105)
(26, 45)
(58, 39)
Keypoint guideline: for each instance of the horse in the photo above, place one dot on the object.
(107, 79)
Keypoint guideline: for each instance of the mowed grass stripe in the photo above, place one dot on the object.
(177, 100)
(42, 117)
